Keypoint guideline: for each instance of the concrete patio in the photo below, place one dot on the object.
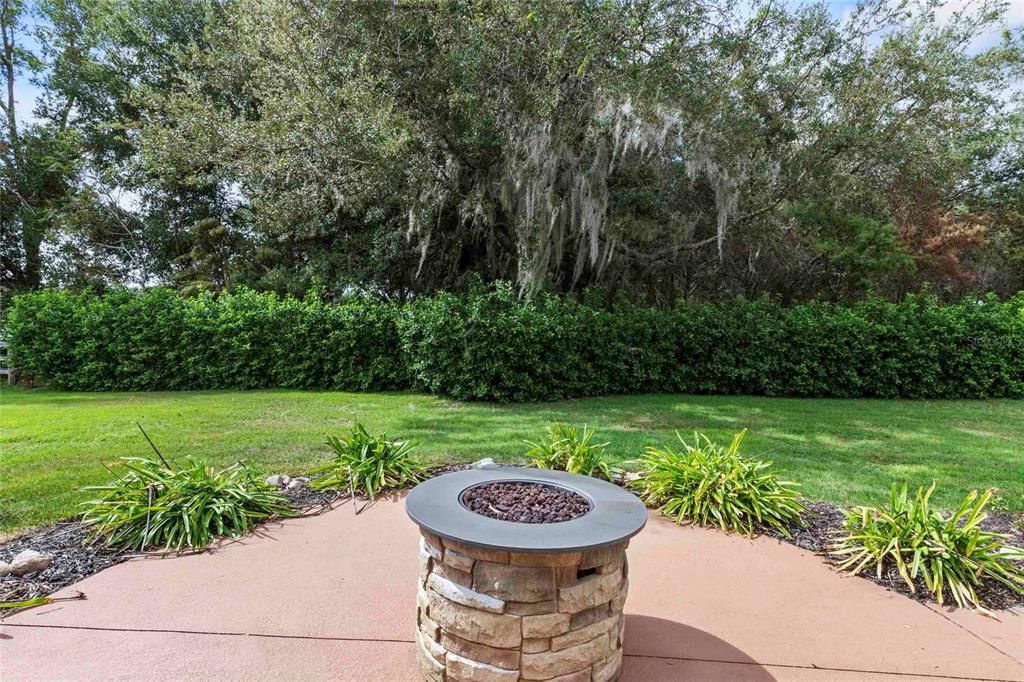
(334, 597)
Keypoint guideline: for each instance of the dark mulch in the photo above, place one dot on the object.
(449, 468)
(71, 559)
(307, 500)
(824, 521)
(525, 502)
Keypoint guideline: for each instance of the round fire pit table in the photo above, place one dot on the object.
(538, 598)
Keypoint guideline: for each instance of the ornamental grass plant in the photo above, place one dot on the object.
(567, 448)
(157, 504)
(364, 463)
(715, 486)
(949, 553)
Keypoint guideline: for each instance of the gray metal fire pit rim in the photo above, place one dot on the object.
(616, 514)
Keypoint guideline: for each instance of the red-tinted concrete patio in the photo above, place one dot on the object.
(333, 597)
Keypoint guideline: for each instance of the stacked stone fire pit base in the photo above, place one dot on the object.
(523, 575)
(490, 615)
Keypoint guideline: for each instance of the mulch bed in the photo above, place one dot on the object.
(305, 499)
(72, 558)
(524, 502)
(449, 468)
(823, 521)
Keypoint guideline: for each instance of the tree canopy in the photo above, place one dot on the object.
(654, 149)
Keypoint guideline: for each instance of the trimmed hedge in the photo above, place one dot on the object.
(490, 346)
(158, 340)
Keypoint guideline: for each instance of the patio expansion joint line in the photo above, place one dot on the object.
(213, 633)
(937, 676)
(974, 634)
(409, 641)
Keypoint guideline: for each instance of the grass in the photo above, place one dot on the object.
(846, 451)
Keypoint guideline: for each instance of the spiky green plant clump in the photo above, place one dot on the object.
(368, 464)
(566, 448)
(710, 485)
(947, 552)
(162, 505)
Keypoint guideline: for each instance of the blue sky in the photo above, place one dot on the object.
(1014, 17)
(26, 93)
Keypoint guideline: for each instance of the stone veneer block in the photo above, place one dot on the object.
(619, 600)
(584, 618)
(545, 625)
(566, 575)
(532, 646)
(452, 574)
(461, 594)
(432, 669)
(432, 647)
(429, 628)
(458, 560)
(578, 676)
(548, 664)
(514, 583)
(493, 629)
(585, 634)
(612, 566)
(502, 658)
(549, 559)
(424, 561)
(595, 557)
(609, 669)
(521, 608)
(589, 592)
(467, 670)
(481, 553)
(431, 544)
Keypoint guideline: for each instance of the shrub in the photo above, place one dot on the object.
(490, 345)
(710, 485)
(157, 504)
(368, 464)
(158, 340)
(568, 449)
(945, 552)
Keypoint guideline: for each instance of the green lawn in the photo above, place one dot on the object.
(841, 450)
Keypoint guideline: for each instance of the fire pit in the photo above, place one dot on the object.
(523, 575)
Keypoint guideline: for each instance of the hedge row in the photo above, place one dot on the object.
(491, 346)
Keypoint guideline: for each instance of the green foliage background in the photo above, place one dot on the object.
(491, 345)
(655, 150)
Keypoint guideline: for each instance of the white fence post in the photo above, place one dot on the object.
(6, 364)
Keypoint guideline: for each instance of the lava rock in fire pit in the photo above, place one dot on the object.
(525, 502)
